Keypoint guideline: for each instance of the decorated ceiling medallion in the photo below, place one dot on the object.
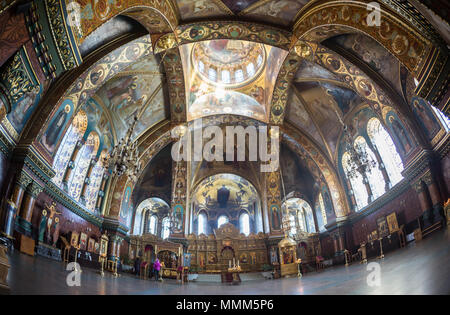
(229, 63)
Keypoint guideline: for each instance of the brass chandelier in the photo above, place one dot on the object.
(360, 162)
(124, 158)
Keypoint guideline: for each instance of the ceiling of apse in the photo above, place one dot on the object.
(241, 192)
(230, 77)
(136, 91)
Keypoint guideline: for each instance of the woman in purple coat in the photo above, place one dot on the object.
(156, 268)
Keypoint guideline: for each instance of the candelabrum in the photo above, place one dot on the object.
(359, 162)
(124, 158)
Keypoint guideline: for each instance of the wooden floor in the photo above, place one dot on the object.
(421, 268)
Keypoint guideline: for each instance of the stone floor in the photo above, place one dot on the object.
(421, 268)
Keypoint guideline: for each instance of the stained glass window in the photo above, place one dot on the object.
(83, 159)
(212, 74)
(244, 223)
(385, 146)
(357, 184)
(73, 134)
(293, 230)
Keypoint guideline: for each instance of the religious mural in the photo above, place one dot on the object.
(56, 126)
(425, 115)
(190, 9)
(277, 12)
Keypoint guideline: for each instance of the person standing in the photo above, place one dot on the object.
(156, 268)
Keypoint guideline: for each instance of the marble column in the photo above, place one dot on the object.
(424, 200)
(15, 201)
(87, 181)
(382, 168)
(26, 210)
(435, 196)
(71, 166)
(101, 193)
(368, 188)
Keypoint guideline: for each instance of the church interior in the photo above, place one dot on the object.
(350, 97)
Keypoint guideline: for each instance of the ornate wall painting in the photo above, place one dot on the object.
(297, 115)
(323, 112)
(399, 134)
(373, 54)
(126, 206)
(191, 9)
(23, 108)
(98, 12)
(308, 69)
(327, 203)
(152, 114)
(91, 245)
(282, 12)
(424, 114)
(56, 127)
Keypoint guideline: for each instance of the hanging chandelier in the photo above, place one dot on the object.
(360, 162)
(124, 158)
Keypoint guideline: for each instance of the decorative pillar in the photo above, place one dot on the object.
(15, 201)
(435, 196)
(179, 196)
(382, 168)
(425, 204)
(101, 193)
(87, 180)
(352, 195)
(71, 165)
(26, 211)
(273, 186)
(369, 190)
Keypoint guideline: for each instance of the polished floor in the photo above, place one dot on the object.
(422, 268)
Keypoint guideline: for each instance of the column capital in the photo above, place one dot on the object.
(23, 179)
(34, 189)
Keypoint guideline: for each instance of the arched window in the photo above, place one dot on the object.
(293, 227)
(201, 229)
(226, 77)
(244, 223)
(301, 221)
(259, 60)
(152, 226)
(223, 219)
(250, 69)
(212, 74)
(385, 146)
(201, 66)
(374, 176)
(239, 75)
(356, 183)
(165, 231)
(73, 134)
(77, 176)
(321, 213)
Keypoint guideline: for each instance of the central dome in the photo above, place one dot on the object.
(228, 62)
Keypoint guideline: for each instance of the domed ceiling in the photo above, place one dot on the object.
(230, 76)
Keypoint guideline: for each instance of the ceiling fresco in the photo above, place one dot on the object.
(372, 53)
(327, 104)
(241, 191)
(136, 91)
(230, 77)
(192, 9)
